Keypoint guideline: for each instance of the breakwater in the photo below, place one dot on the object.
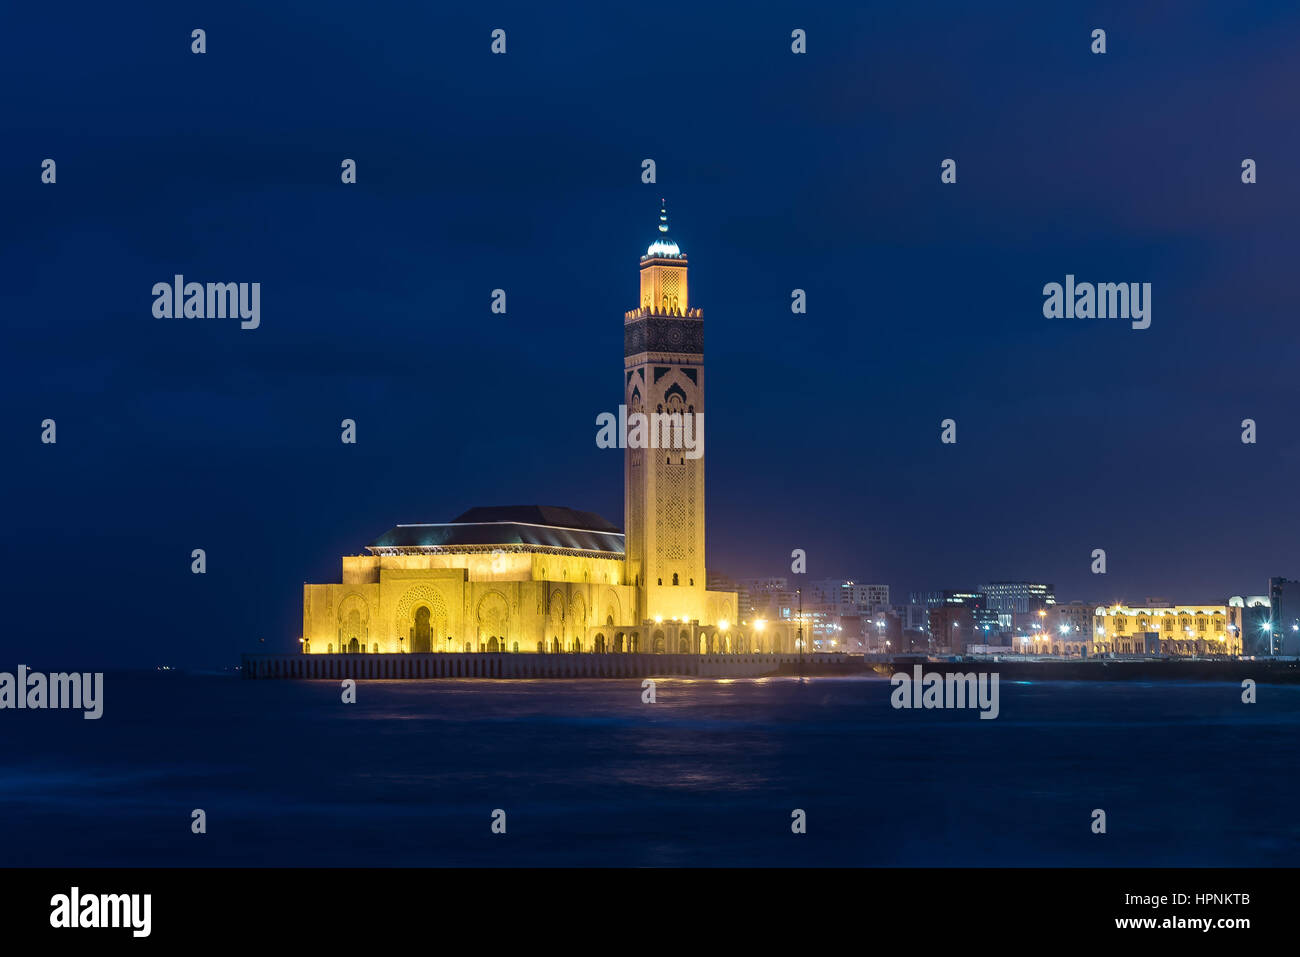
(1264, 670)
(505, 665)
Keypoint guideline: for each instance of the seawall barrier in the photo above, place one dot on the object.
(406, 667)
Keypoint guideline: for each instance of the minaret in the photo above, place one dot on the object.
(663, 374)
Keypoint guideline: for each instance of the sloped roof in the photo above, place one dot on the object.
(548, 526)
(538, 515)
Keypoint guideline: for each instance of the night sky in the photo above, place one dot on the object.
(523, 172)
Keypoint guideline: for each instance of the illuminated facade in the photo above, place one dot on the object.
(1167, 629)
(549, 579)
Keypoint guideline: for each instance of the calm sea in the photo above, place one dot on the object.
(709, 775)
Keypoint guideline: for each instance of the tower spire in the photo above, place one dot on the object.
(663, 246)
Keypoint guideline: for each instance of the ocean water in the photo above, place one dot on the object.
(707, 776)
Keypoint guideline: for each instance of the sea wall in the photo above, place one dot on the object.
(1260, 670)
(453, 665)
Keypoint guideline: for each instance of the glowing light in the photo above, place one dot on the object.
(724, 624)
(663, 248)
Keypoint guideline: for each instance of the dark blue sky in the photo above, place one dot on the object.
(523, 172)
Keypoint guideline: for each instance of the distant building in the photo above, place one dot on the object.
(1069, 627)
(1195, 629)
(914, 641)
(765, 598)
(1255, 620)
(882, 632)
(1284, 601)
(983, 625)
(719, 581)
(929, 599)
(988, 624)
(839, 607)
(952, 628)
(1019, 598)
(766, 584)
(913, 617)
(853, 594)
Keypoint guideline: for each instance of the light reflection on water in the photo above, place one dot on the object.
(709, 774)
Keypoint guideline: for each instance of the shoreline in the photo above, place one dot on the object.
(508, 666)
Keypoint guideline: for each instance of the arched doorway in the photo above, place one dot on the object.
(354, 646)
(600, 644)
(420, 640)
(352, 636)
(492, 644)
(493, 621)
(658, 646)
(684, 644)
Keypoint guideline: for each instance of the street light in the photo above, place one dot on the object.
(799, 632)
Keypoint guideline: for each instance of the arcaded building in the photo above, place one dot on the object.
(1167, 629)
(536, 578)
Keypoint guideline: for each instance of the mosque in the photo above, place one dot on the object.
(541, 578)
